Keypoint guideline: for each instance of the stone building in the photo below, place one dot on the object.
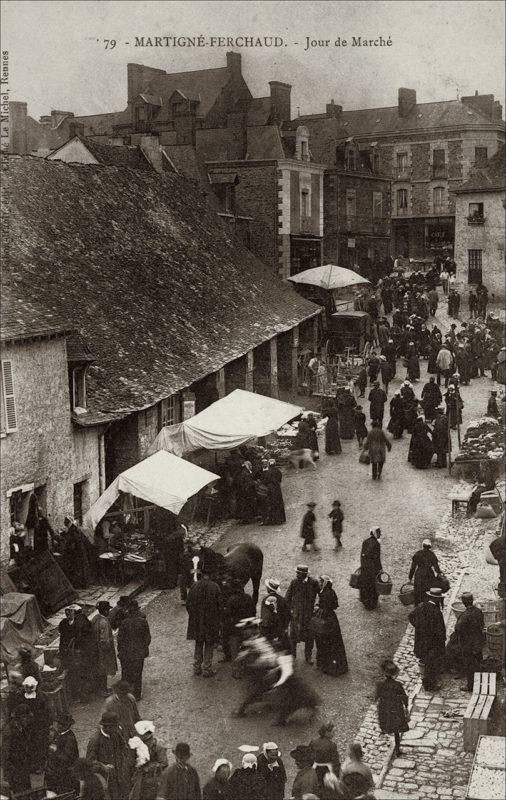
(170, 313)
(480, 230)
(426, 149)
(42, 450)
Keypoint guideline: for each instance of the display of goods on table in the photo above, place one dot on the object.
(484, 440)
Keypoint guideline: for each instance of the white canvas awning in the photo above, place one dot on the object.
(162, 479)
(234, 420)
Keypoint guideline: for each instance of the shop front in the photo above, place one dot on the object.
(305, 253)
(423, 237)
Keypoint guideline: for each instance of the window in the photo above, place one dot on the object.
(474, 262)
(377, 205)
(476, 215)
(78, 388)
(304, 150)
(402, 201)
(9, 415)
(304, 203)
(480, 155)
(402, 163)
(350, 160)
(168, 411)
(351, 206)
(438, 197)
(438, 163)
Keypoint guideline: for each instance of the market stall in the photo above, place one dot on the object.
(235, 420)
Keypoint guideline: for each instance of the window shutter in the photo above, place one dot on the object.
(11, 423)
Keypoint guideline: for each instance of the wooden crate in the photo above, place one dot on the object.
(479, 708)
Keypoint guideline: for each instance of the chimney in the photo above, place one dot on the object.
(333, 110)
(58, 116)
(137, 77)
(280, 100)
(76, 129)
(18, 137)
(406, 102)
(482, 103)
(234, 64)
(497, 110)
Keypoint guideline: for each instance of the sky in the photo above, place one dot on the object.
(58, 57)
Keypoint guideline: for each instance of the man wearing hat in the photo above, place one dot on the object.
(270, 765)
(430, 636)
(134, 638)
(387, 373)
(275, 614)
(110, 756)
(78, 651)
(424, 568)
(469, 631)
(307, 528)
(377, 399)
(16, 749)
(325, 752)
(107, 663)
(123, 703)
(300, 597)
(204, 604)
(306, 781)
(63, 757)
(179, 781)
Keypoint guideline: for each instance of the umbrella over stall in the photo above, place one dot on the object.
(329, 276)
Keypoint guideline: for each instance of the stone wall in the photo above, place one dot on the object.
(489, 238)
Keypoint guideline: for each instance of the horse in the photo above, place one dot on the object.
(242, 561)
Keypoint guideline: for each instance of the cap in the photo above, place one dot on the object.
(302, 569)
(272, 584)
(302, 753)
(436, 592)
(426, 543)
(467, 596)
(182, 749)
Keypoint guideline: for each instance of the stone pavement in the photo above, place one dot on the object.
(433, 764)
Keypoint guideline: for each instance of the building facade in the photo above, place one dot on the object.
(480, 230)
(426, 149)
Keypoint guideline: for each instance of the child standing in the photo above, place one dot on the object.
(360, 426)
(307, 530)
(337, 517)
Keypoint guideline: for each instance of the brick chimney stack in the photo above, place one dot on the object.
(234, 63)
(280, 100)
(333, 110)
(406, 102)
(18, 134)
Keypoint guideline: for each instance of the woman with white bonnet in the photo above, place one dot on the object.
(270, 765)
(246, 782)
(218, 787)
(38, 729)
(150, 760)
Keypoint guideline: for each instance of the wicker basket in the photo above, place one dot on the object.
(355, 579)
(407, 594)
(383, 583)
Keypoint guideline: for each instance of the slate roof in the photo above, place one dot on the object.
(115, 155)
(102, 124)
(22, 319)
(264, 142)
(371, 121)
(259, 111)
(489, 178)
(141, 265)
(204, 84)
(186, 161)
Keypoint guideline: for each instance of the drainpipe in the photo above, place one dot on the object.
(101, 462)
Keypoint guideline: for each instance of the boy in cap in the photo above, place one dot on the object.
(337, 517)
(307, 529)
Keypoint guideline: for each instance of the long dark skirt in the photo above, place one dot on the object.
(277, 514)
(420, 451)
(368, 593)
(396, 426)
(332, 439)
(330, 650)
(346, 423)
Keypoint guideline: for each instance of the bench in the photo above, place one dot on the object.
(458, 500)
(476, 717)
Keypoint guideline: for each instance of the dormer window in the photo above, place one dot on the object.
(351, 162)
(302, 143)
(78, 387)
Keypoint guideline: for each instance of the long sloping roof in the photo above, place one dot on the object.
(21, 318)
(117, 155)
(102, 124)
(490, 177)
(142, 267)
(370, 121)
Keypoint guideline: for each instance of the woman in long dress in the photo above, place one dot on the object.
(330, 650)
(396, 423)
(332, 439)
(346, 404)
(421, 449)
(392, 704)
(273, 479)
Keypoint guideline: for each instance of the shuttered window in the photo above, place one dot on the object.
(9, 404)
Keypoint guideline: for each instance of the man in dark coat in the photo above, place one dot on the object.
(389, 352)
(469, 630)
(134, 638)
(301, 596)
(204, 603)
(424, 568)
(440, 438)
(274, 614)
(75, 562)
(109, 754)
(270, 766)
(430, 637)
(63, 757)
(387, 373)
(15, 750)
(431, 398)
(377, 399)
(370, 567)
(78, 651)
(179, 781)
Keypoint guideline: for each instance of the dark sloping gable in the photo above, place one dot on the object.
(117, 155)
(491, 177)
(142, 267)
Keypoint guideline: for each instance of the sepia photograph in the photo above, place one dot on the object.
(253, 400)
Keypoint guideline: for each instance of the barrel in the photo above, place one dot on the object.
(495, 640)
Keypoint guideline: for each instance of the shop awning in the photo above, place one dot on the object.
(162, 479)
(234, 420)
(329, 276)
